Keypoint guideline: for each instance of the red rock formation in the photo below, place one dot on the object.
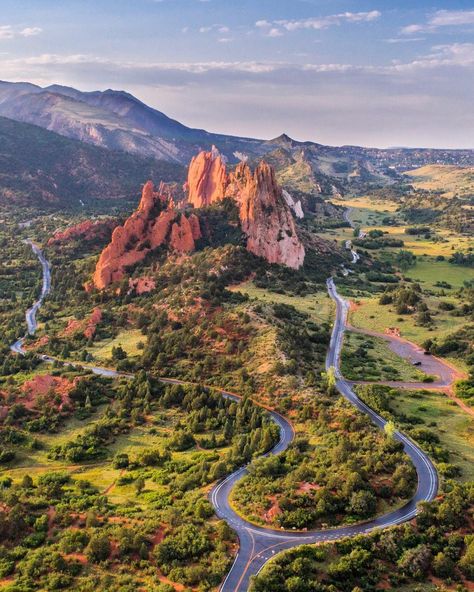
(87, 231)
(147, 228)
(86, 326)
(207, 179)
(266, 218)
(264, 213)
(141, 285)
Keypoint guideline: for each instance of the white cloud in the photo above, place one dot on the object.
(10, 32)
(324, 22)
(404, 39)
(274, 32)
(263, 24)
(441, 18)
(6, 32)
(31, 31)
(449, 18)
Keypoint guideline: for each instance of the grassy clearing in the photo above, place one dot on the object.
(369, 314)
(454, 427)
(445, 179)
(370, 213)
(318, 305)
(129, 340)
(370, 358)
(367, 211)
(427, 272)
(101, 473)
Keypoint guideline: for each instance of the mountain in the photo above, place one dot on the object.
(118, 121)
(41, 167)
(111, 119)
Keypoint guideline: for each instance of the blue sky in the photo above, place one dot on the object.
(375, 72)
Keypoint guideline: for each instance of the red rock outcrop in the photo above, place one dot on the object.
(87, 231)
(147, 228)
(265, 215)
(86, 326)
(266, 218)
(207, 179)
(141, 285)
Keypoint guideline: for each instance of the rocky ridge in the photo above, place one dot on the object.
(264, 210)
(264, 213)
(155, 222)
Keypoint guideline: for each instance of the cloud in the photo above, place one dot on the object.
(404, 39)
(10, 32)
(274, 32)
(449, 18)
(31, 31)
(318, 23)
(6, 32)
(441, 18)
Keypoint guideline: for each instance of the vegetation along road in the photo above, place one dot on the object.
(258, 544)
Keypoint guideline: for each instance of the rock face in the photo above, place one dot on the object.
(207, 179)
(85, 231)
(153, 224)
(266, 218)
(265, 214)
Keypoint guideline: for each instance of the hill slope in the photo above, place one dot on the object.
(40, 167)
(119, 121)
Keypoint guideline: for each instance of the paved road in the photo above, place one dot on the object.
(31, 313)
(257, 544)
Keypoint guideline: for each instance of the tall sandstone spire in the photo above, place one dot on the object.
(265, 216)
(207, 179)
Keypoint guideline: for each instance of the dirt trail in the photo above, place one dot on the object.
(445, 372)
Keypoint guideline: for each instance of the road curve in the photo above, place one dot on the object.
(31, 313)
(257, 544)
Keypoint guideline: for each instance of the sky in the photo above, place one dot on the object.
(371, 73)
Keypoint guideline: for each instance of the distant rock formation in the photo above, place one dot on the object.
(265, 214)
(207, 179)
(86, 231)
(153, 224)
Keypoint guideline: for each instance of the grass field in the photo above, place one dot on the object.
(446, 179)
(454, 427)
(101, 473)
(369, 213)
(381, 364)
(369, 314)
(318, 305)
(102, 350)
(428, 271)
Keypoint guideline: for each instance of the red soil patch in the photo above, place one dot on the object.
(42, 384)
(273, 511)
(41, 342)
(79, 557)
(176, 586)
(306, 487)
(141, 285)
(86, 326)
(354, 305)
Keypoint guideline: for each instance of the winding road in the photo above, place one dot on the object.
(257, 544)
(31, 313)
